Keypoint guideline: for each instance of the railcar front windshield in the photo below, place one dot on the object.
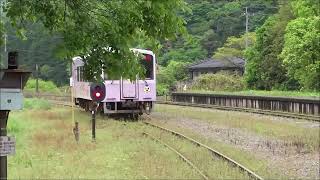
(147, 62)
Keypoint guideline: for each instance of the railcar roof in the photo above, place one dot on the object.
(78, 59)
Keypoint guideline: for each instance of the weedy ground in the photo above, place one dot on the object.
(271, 146)
(46, 148)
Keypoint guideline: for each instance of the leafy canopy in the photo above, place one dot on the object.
(89, 26)
(264, 69)
(235, 46)
(301, 52)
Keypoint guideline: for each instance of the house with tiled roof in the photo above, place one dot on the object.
(212, 66)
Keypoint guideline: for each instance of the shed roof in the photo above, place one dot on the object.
(215, 63)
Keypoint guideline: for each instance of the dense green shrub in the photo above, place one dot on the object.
(167, 77)
(162, 89)
(221, 81)
(44, 86)
(37, 104)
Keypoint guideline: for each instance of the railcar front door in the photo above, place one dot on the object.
(129, 89)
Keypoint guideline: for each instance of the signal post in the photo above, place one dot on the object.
(12, 82)
(97, 94)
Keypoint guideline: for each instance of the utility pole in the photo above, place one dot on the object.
(3, 4)
(247, 24)
(4, 36)
(5, 43)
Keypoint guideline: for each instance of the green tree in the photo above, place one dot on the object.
(89, 26)
(301, 52)
(234, 46)
(189, 51)
(264, 69)
(39, 48)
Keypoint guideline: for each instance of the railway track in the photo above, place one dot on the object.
(248, 110)
(214, 152)
(225, 108)
(189, 162)
(185, 159)
(195, 142)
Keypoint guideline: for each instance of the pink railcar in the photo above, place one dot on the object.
(122, 95)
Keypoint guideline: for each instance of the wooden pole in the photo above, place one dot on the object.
(94, 125)
(3, 132)
(37, 79)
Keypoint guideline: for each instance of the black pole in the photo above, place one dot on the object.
(37, 79)
(3, 132)
(93, 125)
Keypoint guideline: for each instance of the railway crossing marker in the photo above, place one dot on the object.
(12, 81)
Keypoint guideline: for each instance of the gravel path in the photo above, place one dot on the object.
(292, 160)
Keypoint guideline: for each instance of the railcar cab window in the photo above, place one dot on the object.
(80, 74)
(147, 63)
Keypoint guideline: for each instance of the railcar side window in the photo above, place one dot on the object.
(80, 74)
(147, 62)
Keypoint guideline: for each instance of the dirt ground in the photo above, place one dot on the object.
(291, 160)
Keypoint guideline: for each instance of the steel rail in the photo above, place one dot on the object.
(248, 110)
(214, 152)
(185, 159)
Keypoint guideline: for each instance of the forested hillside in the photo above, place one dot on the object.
(209, 25)
(286, 54)
(283, 44)
(41, 48)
